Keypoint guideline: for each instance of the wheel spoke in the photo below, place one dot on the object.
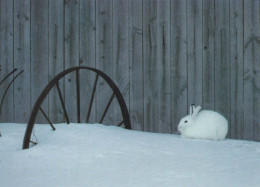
(107, 107)
(35, 143)
(78, 95)
(46, 117)
(121, 123)
(92, 98)
(62, 103)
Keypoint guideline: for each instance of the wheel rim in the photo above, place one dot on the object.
(55, 82)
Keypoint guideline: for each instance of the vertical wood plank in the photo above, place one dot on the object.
(56, 60)
(156, 66)
(87, 25)
(194, 51)
(22, 60)
(6, 58)
(120, 54)
(256, 92)
(179, 79)
(71, 55)
(104, 54)
(195, 48)
(163, 71)
(150, 65)
(222, 60)
(251, 70)
(39, 52)
(208, 54)
(136, 63)
(236, 60)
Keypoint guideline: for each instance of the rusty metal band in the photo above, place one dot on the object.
(54, 81)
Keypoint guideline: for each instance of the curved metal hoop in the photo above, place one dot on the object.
(9, 85)
(1, 82)
(54, 81)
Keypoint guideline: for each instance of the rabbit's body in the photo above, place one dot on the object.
(204, 125)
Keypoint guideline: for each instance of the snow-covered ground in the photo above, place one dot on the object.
(97, 155)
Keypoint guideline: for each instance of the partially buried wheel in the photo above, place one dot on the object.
(55, 83)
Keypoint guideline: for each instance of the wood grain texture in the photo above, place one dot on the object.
(236, 66)
(136, 107)
(22, 61)
(251, 70)
(87, 54)
(71, 55)
(256, 70)
(120, 54)
(104, 55)
(195, 48)
(179, 74)
(6, 58)
(222, 60)
(39, 53)
(150, 20)
(208, 55)
(56, 57)
(163, 74)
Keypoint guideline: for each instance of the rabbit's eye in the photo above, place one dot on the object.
(185, 121)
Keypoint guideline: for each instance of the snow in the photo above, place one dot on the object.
(98, 155)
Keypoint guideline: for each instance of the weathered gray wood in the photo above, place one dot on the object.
(195, 48)
(256, 70)
(87, 39)
(251, 70)
(208, 54)
(6, 58)
(163, 74)
(56, 57)
(120, 54)
(156, 25)
(136, 63)
(71, 55)
(222, 59)
(179, 77)
(104, 55)
(150, 65)
(236, 60)
(163, 55)
(22, 94)
(39, 52)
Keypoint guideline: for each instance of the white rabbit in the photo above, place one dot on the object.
(204, 125)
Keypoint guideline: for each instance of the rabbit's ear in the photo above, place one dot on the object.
(192, 107)
(196, 111)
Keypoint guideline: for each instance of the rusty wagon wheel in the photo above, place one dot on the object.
(55, 83)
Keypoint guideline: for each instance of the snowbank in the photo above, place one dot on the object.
(97, 155)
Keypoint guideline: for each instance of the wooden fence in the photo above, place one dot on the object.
(164, 55)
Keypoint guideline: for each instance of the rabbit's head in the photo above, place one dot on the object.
(188, 120)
